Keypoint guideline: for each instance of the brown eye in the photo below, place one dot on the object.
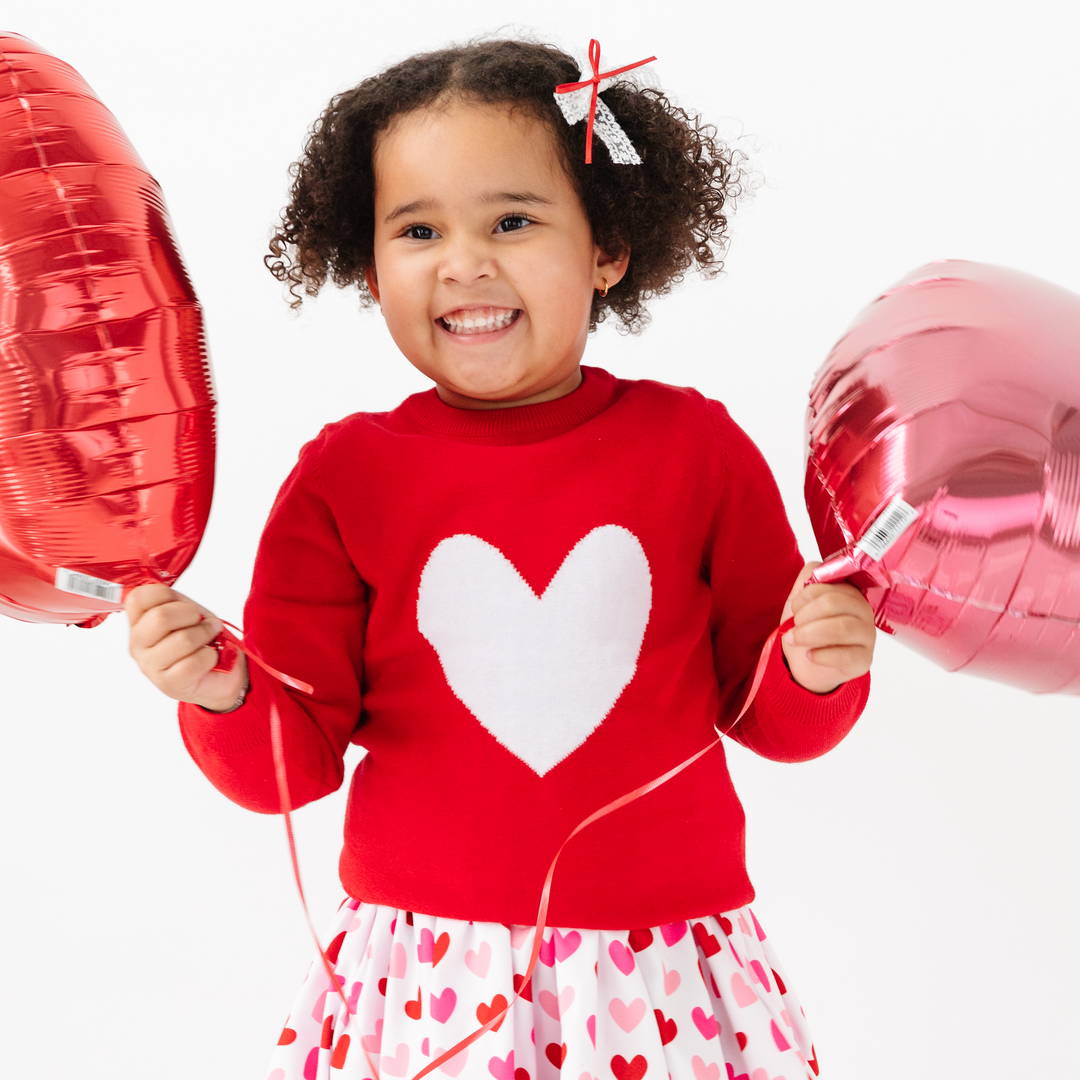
(419, 232)
(513, 223)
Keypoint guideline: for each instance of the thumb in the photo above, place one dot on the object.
(800, 581)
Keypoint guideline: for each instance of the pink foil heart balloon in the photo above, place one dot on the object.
(946, 422)
(106, 407)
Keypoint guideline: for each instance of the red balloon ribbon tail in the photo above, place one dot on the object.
(277, 748)
(611, 807)
(230, 639)
(336, 981)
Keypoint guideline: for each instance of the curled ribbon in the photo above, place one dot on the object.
(228, 646)
(596, 815)
(580, 99)
(228, 640)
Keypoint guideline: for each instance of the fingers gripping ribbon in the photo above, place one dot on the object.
(579, 100)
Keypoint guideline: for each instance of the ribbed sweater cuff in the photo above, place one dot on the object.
(237, 732)
(781, 695)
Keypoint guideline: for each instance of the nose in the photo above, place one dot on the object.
(466, 258)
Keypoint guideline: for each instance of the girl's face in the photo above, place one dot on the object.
(485, 264)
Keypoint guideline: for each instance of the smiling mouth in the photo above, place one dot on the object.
(478, 320)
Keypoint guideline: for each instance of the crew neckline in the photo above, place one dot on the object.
(595, 393)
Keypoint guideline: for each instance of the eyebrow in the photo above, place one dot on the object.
(423, 205)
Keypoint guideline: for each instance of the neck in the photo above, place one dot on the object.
(560, 389)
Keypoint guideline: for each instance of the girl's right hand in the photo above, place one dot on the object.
(170, 641)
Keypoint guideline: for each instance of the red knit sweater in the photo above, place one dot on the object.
(521, 614)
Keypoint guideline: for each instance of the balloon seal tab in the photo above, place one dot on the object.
(72, 581)
(859, 564)
(887, 528)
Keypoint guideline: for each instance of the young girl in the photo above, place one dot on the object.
(524, 592)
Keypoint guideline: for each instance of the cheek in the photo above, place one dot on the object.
(408, 326)
(405, 315)
(563, 285)
(402, 298)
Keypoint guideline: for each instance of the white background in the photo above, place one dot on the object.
(920, 881)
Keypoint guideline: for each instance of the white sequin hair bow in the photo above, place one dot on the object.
(579, 100)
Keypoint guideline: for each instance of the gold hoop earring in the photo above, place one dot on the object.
(603, 292)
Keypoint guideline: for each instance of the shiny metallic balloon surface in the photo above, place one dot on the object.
(958, 391)
(106, 404)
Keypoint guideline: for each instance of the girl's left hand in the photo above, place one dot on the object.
(833, 639)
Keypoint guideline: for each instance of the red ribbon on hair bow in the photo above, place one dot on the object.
(594, 82)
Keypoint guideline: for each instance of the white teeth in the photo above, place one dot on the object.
(478, 324)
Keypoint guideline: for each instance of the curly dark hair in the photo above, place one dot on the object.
(670, 210)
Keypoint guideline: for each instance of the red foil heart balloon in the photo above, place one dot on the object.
(106, 406)
(944, 462)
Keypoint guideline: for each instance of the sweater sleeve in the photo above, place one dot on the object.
(305, 616)
(752, 563)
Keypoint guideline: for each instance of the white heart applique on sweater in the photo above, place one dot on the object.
(539, 672)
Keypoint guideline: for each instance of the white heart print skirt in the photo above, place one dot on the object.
(700, 1000)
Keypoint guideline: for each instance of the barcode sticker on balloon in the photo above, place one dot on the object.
(887, 528)
(84, 585)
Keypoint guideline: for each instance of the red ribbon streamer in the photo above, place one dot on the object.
(231, 644)
(280, 774)
(228, 645)
(594, 82)
(228, 642)
(611, 807)
(278, 748)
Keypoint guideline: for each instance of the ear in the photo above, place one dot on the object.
(610, 268)
(371, 279)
